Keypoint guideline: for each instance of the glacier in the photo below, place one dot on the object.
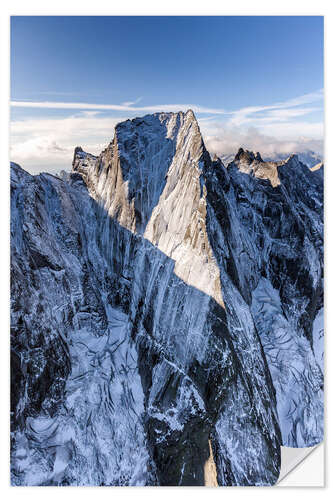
(166, 313)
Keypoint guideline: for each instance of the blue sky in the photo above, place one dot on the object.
(251, 80)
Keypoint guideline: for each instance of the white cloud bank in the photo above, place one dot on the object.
(47, 144)
(269, 139)
(41, 144)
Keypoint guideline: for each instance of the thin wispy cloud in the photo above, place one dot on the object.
(280, 111)
(271, 115)
(237, 115)
(131, 103)
(126, 106)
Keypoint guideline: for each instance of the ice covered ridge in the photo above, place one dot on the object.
(166, 313)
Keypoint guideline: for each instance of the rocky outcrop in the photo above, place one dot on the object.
(252, 163)
(270, 240)
(141, 335)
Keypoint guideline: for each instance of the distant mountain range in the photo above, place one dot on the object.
(309, 158)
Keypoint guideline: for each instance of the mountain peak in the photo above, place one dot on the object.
(191, 114)
(252, 163)
(82, 159)
(136, 164)
(245, 156)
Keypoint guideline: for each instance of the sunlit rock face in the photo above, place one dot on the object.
(166, 314)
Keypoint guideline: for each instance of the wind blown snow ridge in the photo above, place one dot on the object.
(166, 313)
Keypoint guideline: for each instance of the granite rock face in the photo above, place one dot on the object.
(166, 314)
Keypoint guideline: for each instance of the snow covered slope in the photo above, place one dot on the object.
(166, 314)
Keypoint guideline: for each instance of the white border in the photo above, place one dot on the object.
(141, 7)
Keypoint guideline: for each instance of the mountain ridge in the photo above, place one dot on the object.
(199, 274)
